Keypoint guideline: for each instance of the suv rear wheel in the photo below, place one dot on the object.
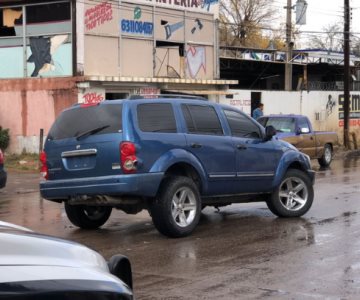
(293, 197)
(87, 217)
(176, 209)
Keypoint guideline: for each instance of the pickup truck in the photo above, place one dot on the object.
(171, 156)
(297, 130)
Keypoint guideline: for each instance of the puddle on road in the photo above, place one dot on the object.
(338, 167)
(323, 238)
(271, 293)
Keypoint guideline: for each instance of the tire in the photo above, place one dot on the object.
(87, 217)
(326, 158)
(176, 209)
(294, 195)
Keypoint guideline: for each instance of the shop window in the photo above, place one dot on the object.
(47, 46)
(55, 12)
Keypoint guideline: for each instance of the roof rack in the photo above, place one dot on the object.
(177, 96)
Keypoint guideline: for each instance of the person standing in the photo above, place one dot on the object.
(258, 112)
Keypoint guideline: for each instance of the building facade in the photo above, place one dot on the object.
(54, 54)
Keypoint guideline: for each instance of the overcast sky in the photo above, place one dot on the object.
(321, 13)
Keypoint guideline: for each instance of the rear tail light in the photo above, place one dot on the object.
(128, 157)
(1, 158)
(43, 166)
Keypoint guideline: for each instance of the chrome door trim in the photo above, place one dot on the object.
(83, 152)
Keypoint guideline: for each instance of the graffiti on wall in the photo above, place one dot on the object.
(168, 63)
(354, 112)
(195, 60)
(197, 27)
(43, 51)
(98, 15)
(92, 98)
(331, 103)
(206, 4)
(171, 28)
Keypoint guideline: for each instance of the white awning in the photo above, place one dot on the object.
(202, 92)
(115, 79)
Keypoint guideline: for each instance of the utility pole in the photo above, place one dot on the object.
(346, 73)
(289, 48)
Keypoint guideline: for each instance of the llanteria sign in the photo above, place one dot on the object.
(204, 6)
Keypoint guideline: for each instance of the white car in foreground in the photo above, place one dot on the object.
(35, 266)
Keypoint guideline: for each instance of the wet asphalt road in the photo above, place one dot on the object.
(241, 252)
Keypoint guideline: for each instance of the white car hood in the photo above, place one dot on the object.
(22, 247)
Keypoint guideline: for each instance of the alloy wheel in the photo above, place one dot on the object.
(183, 207)
(293, 193)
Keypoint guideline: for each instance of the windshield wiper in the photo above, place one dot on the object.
(90, 132)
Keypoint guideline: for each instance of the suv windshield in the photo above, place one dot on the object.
(84, 121)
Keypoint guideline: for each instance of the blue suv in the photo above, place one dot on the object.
(172, 156)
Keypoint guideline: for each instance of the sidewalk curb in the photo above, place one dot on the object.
(347, 154)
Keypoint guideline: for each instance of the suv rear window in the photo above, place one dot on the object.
(79, 120)
(156, 117)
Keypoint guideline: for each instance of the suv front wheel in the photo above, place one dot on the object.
(176, 209)
(87, 217)
(293, 197)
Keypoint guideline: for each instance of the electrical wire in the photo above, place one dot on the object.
(128, 7)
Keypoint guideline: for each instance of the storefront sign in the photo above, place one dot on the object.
(207, 6)
(354, 110)
(136, 26)
(98, 15)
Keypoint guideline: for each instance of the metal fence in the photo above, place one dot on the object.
(331, 86)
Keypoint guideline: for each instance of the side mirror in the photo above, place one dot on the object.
(303, 130)
(270, 131)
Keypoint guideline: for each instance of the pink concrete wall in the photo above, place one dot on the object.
(26, 105)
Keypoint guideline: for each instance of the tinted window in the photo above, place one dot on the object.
(79, 120)
(241, 125)
(156, 117)
(262, 121)
(202, 119)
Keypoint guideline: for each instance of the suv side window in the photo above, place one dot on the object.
(242, 126)
(156, 117)
(201, 119)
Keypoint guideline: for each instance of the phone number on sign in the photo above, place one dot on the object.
(137, 27)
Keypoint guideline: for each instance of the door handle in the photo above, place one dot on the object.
(196, 145)
(241, 147)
